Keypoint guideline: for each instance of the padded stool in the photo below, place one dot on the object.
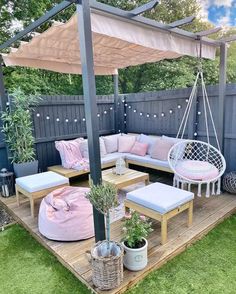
(39, 185)
(161, 202)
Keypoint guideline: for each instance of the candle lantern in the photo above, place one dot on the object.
(6, 183)
(120, 166)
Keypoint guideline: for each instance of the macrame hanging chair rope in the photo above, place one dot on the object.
(193, 153)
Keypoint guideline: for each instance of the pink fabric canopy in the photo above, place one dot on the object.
(116, 44)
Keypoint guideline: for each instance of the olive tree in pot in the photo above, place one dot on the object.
(18, 130)
(136, 230)
(107, 255)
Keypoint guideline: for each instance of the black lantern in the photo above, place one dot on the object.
(6, 183)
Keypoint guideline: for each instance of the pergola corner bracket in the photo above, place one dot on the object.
(181, 22)
(143, 8)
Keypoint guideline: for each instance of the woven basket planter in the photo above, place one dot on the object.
(229, 182)
(107, 272)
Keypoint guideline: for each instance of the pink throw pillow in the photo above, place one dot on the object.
(125, 143)
(161, 149)
(139, 148)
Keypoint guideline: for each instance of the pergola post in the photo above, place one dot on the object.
(222, 89)
(89, 88)
(116, 100)
(3, 96)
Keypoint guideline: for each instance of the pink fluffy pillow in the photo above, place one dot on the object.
(139, 148)
(161, 149)
(125, 143)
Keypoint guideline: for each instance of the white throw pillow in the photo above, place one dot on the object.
(84, 148)
(111, 143)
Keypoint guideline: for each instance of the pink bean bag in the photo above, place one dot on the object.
(66, 215)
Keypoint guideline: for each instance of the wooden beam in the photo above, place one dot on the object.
(228, 39)
(208, 32)
(181, 22)
(143, 8)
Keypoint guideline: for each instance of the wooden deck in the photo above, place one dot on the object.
(207, 214)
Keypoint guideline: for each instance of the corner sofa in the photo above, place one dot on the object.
(115, 146)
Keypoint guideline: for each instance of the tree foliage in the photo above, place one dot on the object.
(166, 74)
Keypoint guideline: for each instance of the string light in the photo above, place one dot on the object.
(57, 119)
(83, 119)
(140, 113)
(135, 110)
(195, 134)
(38, 114)
(148, 115)
(7, 104)
(125, 114)
(170, 111)
(162, 114)
(129, 106)
(75, 120)
(98, 115)
(179, 106)
(126, 104)
(47, 117)
(199, 113)
(111, 108)
(186, 100)
(66, 120)
(105, 112)
(154, 115)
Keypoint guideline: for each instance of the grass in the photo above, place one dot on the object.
(209, 266)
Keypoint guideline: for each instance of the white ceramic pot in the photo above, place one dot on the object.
(135, 259)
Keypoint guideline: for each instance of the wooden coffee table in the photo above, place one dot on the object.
(130, 177)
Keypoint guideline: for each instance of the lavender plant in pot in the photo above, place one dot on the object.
(107, 255)
(136, 229)
(18, 131)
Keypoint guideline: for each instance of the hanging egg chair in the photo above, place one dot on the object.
(197, 162)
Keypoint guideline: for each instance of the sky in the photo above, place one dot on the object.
(220, 12)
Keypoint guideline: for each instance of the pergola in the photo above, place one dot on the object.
(100, 39)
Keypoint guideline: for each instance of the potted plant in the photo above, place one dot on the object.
(107, 255)
(136, 230)
(18, 130)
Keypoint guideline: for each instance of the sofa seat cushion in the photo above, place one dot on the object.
(147, 159)
(42, 181)
(160, 197)
(112, 157)
(197, 170)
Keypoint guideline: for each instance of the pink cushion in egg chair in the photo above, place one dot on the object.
(66, 215)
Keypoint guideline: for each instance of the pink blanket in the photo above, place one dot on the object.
(66, 215)
(70, 154)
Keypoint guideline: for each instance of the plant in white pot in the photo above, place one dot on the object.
(136, 229)
(107, 255)
(18, 130)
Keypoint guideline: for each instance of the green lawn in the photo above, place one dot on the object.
(209, 266)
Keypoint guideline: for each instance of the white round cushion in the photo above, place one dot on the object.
(197, 170)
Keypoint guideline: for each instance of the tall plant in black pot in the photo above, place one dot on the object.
(18, 130)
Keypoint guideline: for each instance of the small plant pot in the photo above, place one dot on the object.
(26, 168)
(107, 265)
(135, 259)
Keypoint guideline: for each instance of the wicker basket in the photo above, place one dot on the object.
(107, 272)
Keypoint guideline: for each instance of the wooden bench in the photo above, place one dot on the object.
(161, 202)
(70, 173)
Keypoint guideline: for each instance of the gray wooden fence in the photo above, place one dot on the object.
(62, 118)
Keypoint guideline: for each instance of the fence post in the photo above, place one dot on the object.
(116, 100)
(222, 88)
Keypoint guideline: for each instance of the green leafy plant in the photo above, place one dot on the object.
(18, 127)
(136, 228)
(103, 197)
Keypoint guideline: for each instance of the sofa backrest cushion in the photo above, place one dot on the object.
(147, 140)
(139, 148)
(111, 143)
(85, 152)
(126, 143)
(161, 149)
